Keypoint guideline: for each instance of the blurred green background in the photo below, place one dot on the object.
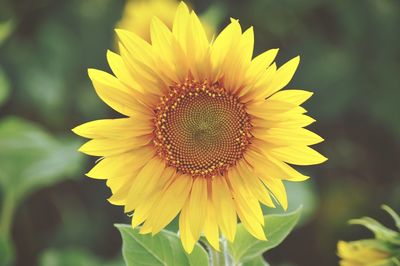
(350, 54)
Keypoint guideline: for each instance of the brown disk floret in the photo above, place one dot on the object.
(201, 130)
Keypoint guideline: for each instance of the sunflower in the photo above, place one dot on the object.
(208, 133)
(359, 253)
(137, 15)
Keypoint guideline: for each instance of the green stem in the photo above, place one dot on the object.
(6, 215)
(219, 258)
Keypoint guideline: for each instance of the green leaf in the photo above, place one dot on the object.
(164, 248)
(76, 257)
(380, 231)
(277, 227)
(7, 252)
(394, 215)
(6, 28)
(257, 261)
(31, 158)
(4, 87)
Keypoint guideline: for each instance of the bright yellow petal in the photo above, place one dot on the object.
(254, 184)
(278, 190)
(211, 226)
(282, 76)
(259, 65)
(115, 94)
(147, 180)
(170, 203)
(144, 209)
(110, 147)
(119, 165)
(224, 206)
(285, 120)
(164, 44)
(268, 166)
(255, 92)
(118, 184)
(223, 47)
(120, 70)
(287, 137)
(197, 206)
(121, 128)
(269, 108)
(295, 97)
(247, 206)
(298, 155)
(244, 197)
(181, 21)
(237, 62)
(197, 55)
(188, 241)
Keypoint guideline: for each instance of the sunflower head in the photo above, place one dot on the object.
(208, 133)
(362, 253)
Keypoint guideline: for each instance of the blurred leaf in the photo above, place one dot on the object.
(212, 17)
(164, 248)
(6, 250)
(394, 215)
(299, 194)
(6, 29)
(277, 227)
(380, 231)
(4, 87)
(31, 158)
(257, 261)
(76, 257)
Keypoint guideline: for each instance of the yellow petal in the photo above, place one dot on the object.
(224, 206)
(259, 65)
(222, 48)
(144, 73)
(254, 184)
(114, 93)
(284, 120)
(119, 165)
(119, 69)
(267, 166)
(181, 21)
(119, 196)
(197, 206)
(287, 137)
(211, 226)
(197, 41)
(269, 108)
(121, 128)
(170, 203)
(188, 241)
(244, 196)
(298, 155)
(138, 56)
(167, 54)
(144, 209)
(110, 147)
(278, 190)
(295, 97)
(147, 180)
(282, 76)
(237, 61)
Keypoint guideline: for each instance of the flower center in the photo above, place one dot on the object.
(201, 130)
